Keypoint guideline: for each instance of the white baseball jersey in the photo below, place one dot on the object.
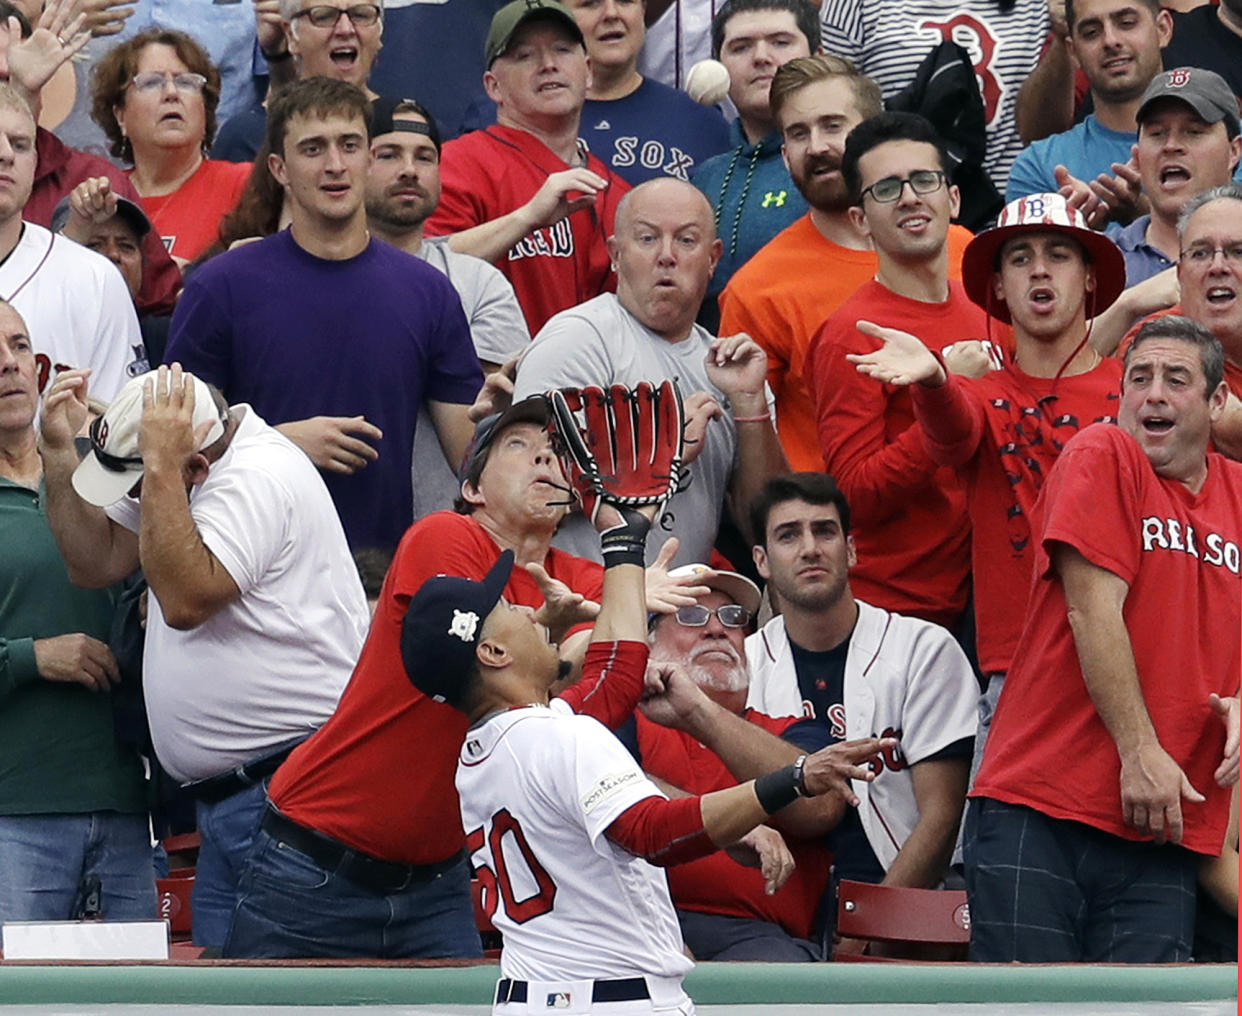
(904, 678)
(539, 787)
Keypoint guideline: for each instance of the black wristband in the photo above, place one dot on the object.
(778, 788)
(626, 543)
(800, 776)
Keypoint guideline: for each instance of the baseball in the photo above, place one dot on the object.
(708, 82)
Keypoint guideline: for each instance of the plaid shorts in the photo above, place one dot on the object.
(1046, 890)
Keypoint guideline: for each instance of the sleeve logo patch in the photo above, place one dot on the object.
(608, 786)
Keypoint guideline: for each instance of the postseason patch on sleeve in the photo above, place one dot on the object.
(608, 786)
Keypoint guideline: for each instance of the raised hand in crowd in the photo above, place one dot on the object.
(335, 443)
(738, 366)
(56, 36)
(698, 409)
(496, 395)
(562, 608)
(666, 593)
(65, 410)
(77, 659)
(268, 29)
(104, 17)
(90, 203)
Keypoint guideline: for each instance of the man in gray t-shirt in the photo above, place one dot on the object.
(664, 250)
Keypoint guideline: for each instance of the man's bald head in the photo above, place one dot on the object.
(664, 251)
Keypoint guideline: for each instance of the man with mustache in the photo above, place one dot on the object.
(701, 737)
(784, 293)
(847, 666)
(402, 190)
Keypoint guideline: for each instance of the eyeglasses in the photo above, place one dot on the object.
(326, 16)
(888, 190)
(155, 81)
(696, 615)
(1203, 254)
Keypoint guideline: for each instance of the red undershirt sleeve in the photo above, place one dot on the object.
(662, 832)
(612, 682)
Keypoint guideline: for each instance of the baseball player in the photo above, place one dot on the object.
(563, 828)
(850, 669)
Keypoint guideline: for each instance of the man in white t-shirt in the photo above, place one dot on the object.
(256, 615)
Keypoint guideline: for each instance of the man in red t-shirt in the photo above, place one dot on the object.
(911, 529)
(1115, 743)
(1043, 271)
(366, 807)
(526, 194)
(700, 737)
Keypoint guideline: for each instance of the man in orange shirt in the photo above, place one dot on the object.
(786, 291)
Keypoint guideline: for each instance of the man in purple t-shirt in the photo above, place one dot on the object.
(334, 338)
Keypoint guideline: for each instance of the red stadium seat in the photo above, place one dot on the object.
(928, 923)
(174, 903)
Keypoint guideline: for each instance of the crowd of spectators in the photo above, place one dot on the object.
(281, 287)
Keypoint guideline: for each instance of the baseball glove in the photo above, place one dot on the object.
(618, 446)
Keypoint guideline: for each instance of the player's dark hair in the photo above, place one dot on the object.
(806, 17)
(795, 75)
(879, 130)
(318, 97)
(1184, 329)
(813, 488)
(1071, 16)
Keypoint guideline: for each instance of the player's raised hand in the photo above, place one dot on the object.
(665, 593)
(562, 608)
(1227, 709)
(830, 769)
(902, 359)
(335, 443)
(561, 195)
(1152, 789)
(764, 848)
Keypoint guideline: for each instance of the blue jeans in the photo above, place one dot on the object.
(291, 908)
(45, 859)
(1046, 890)
(227, 828)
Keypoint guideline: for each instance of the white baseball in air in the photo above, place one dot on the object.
(708, 82)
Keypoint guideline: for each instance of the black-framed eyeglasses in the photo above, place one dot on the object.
(888, 190)
(1204, 253)
(730, 614)
(326, 16)
(186, 82)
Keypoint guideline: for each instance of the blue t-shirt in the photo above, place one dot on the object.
(654, 131)
(754, 198)
(1087, 149)
(297, 336)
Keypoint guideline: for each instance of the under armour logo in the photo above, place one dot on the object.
(774, 200)
(465, 622)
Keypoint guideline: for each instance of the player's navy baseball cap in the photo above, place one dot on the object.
(513, 15)
(1206, 92)
(443, 625)
(533, 409)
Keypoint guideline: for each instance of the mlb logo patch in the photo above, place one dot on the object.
(558, 1000)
